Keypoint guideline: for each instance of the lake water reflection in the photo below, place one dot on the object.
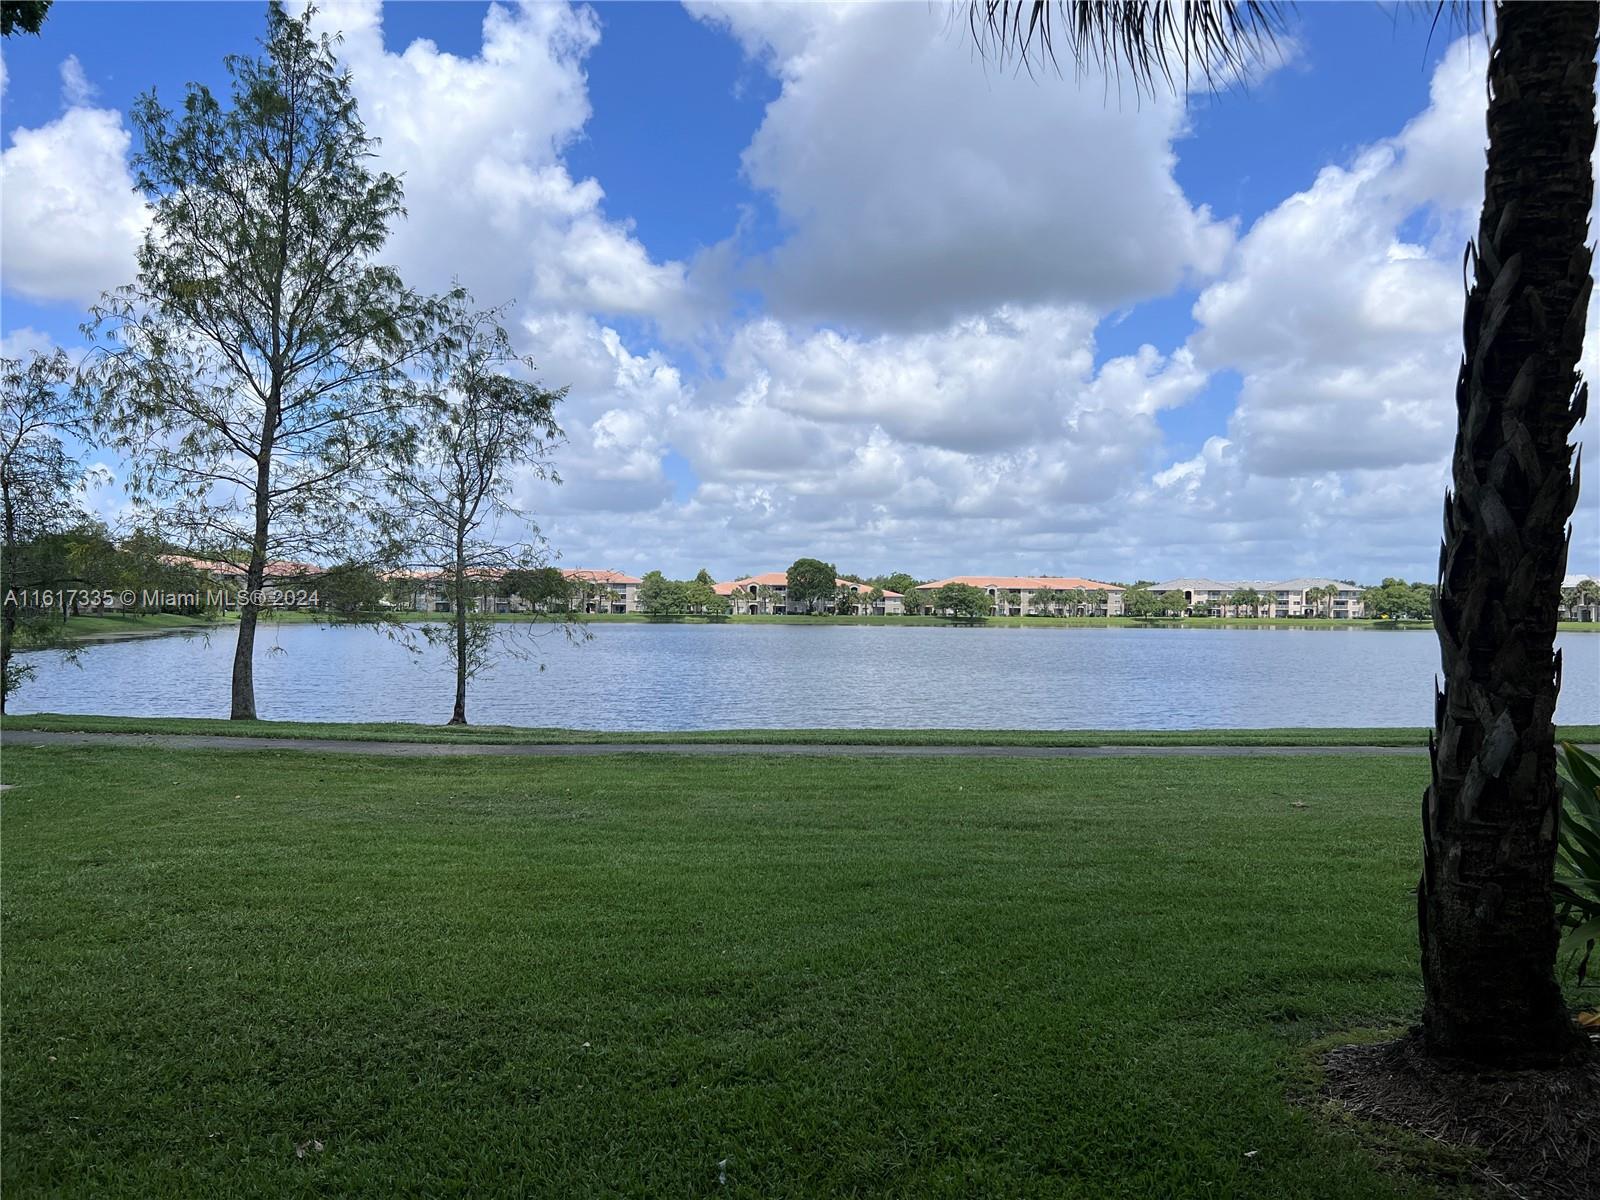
(648, 676)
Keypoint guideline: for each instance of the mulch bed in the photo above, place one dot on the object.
(1539, 1131)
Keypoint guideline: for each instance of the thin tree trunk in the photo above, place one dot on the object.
(1485, 914)
(458, 715)
(8, 628)
(8, 605)
(244, 679)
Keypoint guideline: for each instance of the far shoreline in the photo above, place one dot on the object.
(89, 629)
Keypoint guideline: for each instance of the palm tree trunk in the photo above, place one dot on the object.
(1485, 914)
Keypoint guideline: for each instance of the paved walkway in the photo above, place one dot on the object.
(187, 741)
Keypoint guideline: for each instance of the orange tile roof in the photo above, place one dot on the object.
(781, 579)
(500, 572)
(274, 568)
(432, 576)
(593, 576)
(769, 579)
(1030, 583)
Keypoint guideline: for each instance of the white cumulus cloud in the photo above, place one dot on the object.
(70, 220)
(917, 186)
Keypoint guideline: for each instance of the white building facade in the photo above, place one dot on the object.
(767, 594)
(1279, 598)
(1017, 595)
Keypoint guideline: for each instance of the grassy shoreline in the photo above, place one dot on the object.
(655, 977)
(399, 731)
(91, 627)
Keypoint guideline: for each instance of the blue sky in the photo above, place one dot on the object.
(764, 268)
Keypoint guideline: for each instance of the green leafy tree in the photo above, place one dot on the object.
(1398, 600)
(962, 601)
(1589, 594)
(663, 597)
(351, 590)
(1577, 882)
(711, 604)
(22, 16)
(1491, 810)
(253, 373)
(95, 561)
(546, 586)
(811, 582)
(1140, 601)
(583, 593)
(484, 430)
(1172, 603)
(1245, 598)
(1372, 602)
(145, 564)
(696, 595)
(899, 581)
(38, 485)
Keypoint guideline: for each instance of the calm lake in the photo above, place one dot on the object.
(777, 676)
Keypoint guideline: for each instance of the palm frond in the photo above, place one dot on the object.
(1151, 42)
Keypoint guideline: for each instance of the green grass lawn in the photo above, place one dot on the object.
(126, 624)
(607, 977)
(401, 731)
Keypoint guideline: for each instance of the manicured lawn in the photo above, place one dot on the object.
(399, 731)
(112, 624)
(641, 976)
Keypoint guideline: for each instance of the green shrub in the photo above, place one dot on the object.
(1577, 883)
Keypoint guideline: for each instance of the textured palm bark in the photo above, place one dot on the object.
(1486, 918)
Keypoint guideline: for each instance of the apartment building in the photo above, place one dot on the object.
(1013, 595)
(1279, 598)
(281, 582)
(1586, 601)
(415, 591)
(593, 591)
(604, 591)
(768, 593)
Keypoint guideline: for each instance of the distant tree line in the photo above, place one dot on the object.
(663, 597)
(1398, 600)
